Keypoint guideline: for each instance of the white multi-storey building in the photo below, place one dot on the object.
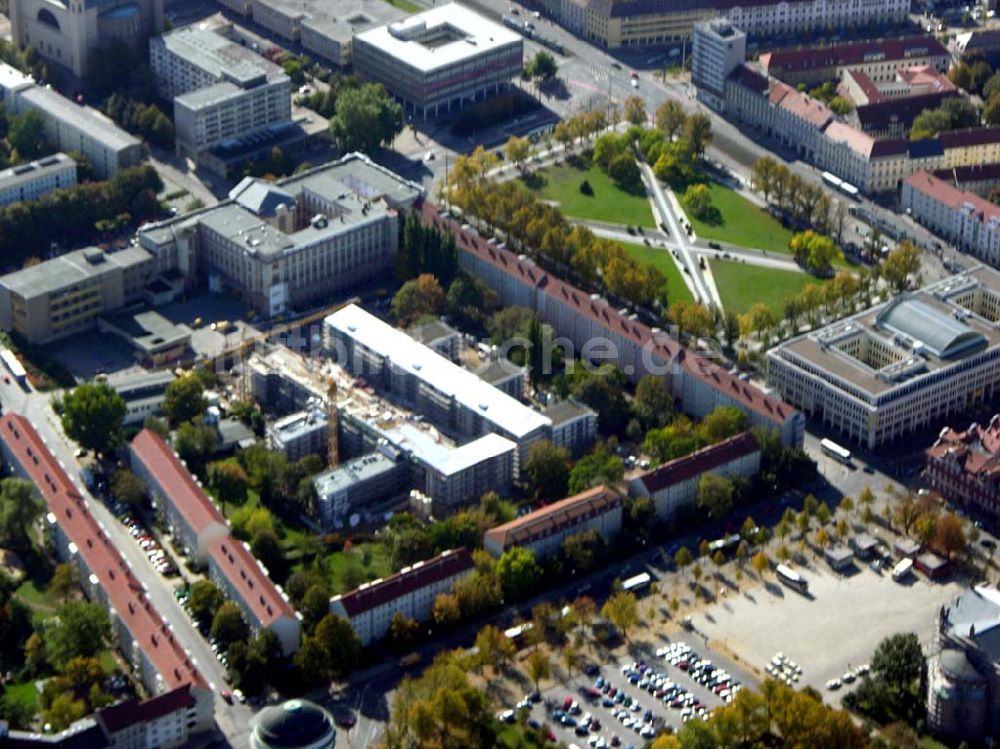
(717, 50)
(410, 592)
(771, 19)
(441, 58)
(300, 434)
(900, 367)
(32, 180)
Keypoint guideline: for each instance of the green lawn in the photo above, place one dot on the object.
(742, 285)
(406, 5)
(659, 257)
(742, 223)
(346, 570)
(35, 597)
(24, 693)
(610, 203)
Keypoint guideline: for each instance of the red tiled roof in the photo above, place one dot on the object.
(566, 513)
(699, 462)
(972, 173)
(176, 481)
(130, 712)
(948, 195)
(748, 396)
(244, 573)
(749, 78)
(972, 136)
(883, 114)
(804, 107)
(854, 53)
(867, 86)
(977, 449)
(409, 579)
(124, 592)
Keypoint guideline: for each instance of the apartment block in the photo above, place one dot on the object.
(144, 639)
(574, 425)
(440, 58)
(673, 486)
(67, 294)
(889, 372)
(31, 181)
(300, 434)
(191, 516)
(360, 485)
(544, 530)
(965, 467)
(411, 592)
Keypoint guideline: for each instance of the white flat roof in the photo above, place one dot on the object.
(422, 362)
(445, 458)
(475, 35)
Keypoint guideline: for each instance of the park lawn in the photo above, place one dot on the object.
(346, 570)
(609, 203)
(659, 257)
(24, 693)
(742, 222)
(742, 285)
(108, 662)
(36, 598)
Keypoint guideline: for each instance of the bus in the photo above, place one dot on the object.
(13, 365)
(833, 180)
(637, 583)
(849, 190)
(791, 578)
(902, 569)
(835, 451)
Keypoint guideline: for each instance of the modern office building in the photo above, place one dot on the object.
(221, 90)
(963, 676)
(300, 434)
(452, 398)
(900, 367)
(965, 467)
(31, 181)
(440, 59)
(144, 639)
(360, 485)
(544, 530)
(718, 48)
(67, 294)
(698, 384)
(293, 242)
(143, 393)
(69, 34)
(193, 519)
(879, 60)
(410, 592)
(70, 126)
(673, 486)
(244, 580)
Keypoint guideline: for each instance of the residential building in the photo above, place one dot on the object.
(360, 485)
(32, 180)
(70, 34)
(67, 294)
(143, 393)
(221, 90)
(910, 81)
(504, 375)
(440, 58)
(193, 519)
(410, 592)
(290, 243)
(884, 374)
(975, 178)
(879, 59)
(798, 120)
(70, 126)
(244, 580)
(893, 118)
(583, 320)
(281, 382)
(717, 50)
(574, 425)
(965, 467)
(452, 398)
(300, 434)
(981, 41)
(295, 724)
(963, 678)
(439, 336)
(544, 530)
(673, 486)
(145, 640)
(767, 20)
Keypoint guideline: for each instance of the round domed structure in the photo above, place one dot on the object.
(296, 724)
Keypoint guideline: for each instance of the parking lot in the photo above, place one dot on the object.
(624, 703)
(831, 630)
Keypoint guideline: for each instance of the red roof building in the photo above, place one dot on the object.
(411, 592)
(965, 467)
(192, 517)
(674, 484)
(145, 639)
(545, 529)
